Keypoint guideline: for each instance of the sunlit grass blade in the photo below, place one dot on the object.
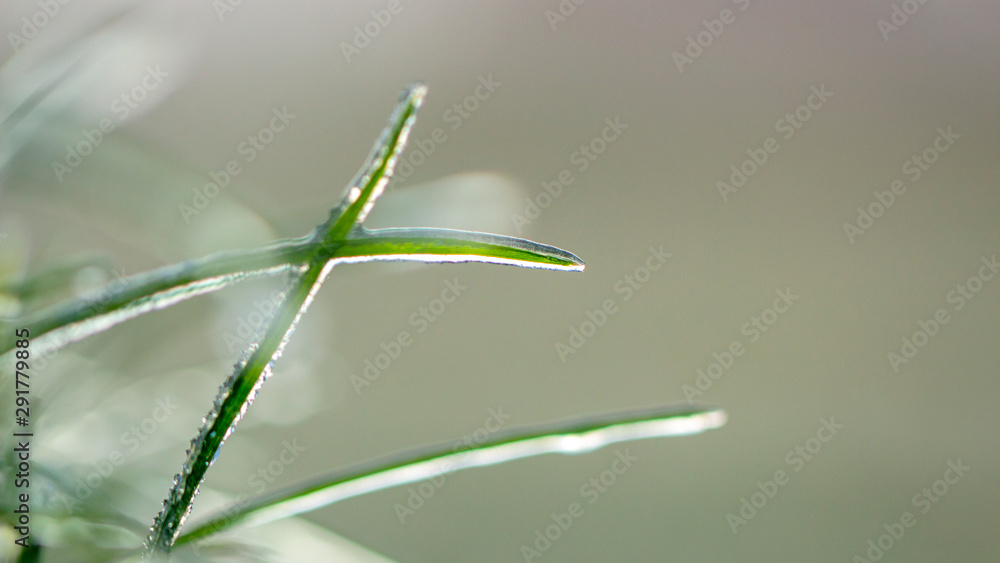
(447, 245)
(370, 182)
(129, 297)
(564, 437)
(235, 397)
(307, 261)
(172, 284)
(238, 391)
(125, 299)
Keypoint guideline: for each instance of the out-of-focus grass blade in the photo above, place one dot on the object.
(129, 297)
(30, 554)
(54, 279)
(565, 437)
(70, 71)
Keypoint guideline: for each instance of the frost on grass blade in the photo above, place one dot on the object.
(131, 296)
(74, 332)
(565, 437)
(370, 181)
(231, 404)
(135, 295)
(307, 261)
(338, 239)
(238, 392)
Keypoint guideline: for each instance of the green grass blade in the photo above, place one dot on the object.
(447, 245)
(238, 392)
(53, 279)
(370, 182)
(565, 437)
(308, 261)
(235, 396)
(30, 554)
(172, 284)
(132, 296)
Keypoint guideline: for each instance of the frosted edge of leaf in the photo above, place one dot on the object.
(560, 437)
(86, 306)
(175, 510)
(455, 259)
(363, 190)
(73, 332)
(452, 239)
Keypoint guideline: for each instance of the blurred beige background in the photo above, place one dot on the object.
(825, 358)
